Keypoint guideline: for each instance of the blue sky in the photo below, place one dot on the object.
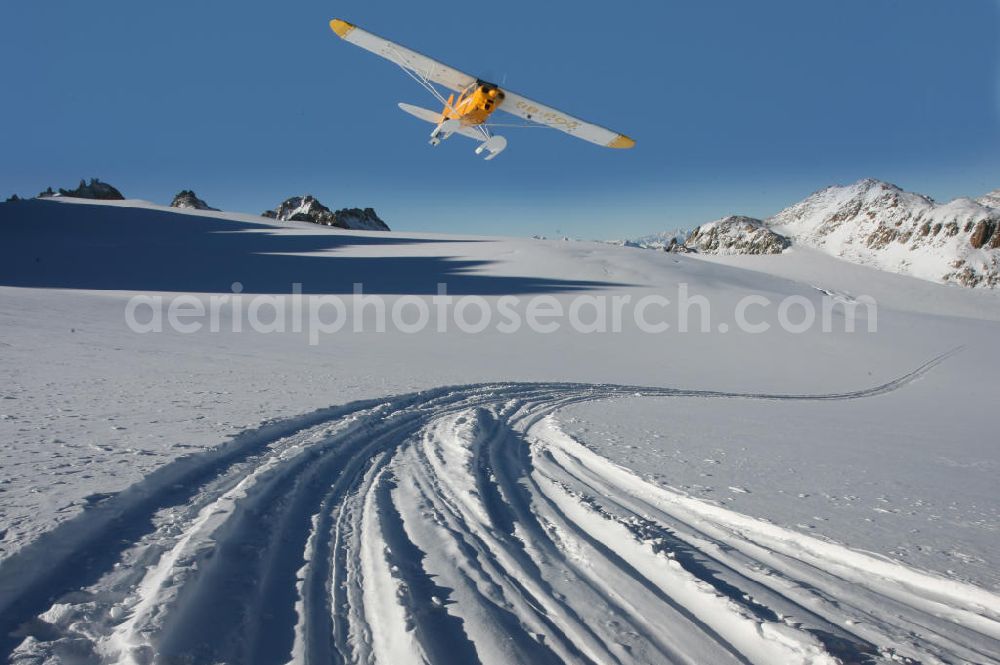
(737, 107)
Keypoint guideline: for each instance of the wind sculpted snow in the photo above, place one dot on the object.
(462, 525)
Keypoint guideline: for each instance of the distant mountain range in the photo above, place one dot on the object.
(665, 240)
(297, 208)
(871, 223)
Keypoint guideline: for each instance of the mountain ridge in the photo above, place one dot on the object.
(307, 208)
(879, 224)
(869, 222)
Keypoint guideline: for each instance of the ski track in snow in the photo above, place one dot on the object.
(461, 525)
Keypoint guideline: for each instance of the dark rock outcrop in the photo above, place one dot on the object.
(675, 247)
(188, 199)
(95, 189)
(360, 219)
(735, 234)
(309, 209)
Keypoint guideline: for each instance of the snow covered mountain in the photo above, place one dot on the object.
(308, 209)
(735, 234)
(188, 199)
(732, 235)
(880, 225)
(872, 223)
(991, 199)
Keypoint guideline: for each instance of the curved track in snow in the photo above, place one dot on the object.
(461, 525)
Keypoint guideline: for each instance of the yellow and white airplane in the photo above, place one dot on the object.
(469, 115)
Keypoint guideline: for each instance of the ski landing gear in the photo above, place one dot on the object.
(493, 145)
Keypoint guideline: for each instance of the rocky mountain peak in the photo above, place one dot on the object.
(95, 189)
(736, 234)
(308, 209)
(361, 218)
(188, 199)
(301, 209)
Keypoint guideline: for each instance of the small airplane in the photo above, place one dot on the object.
(469, 115)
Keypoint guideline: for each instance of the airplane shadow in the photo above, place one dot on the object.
(46, 244)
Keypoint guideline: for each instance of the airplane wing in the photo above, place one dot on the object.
(434, 117)
(523, 107)
(428, 68)
(528, 109)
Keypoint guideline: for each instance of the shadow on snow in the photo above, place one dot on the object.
(48, 244)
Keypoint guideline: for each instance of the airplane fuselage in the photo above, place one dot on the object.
(475, 105)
